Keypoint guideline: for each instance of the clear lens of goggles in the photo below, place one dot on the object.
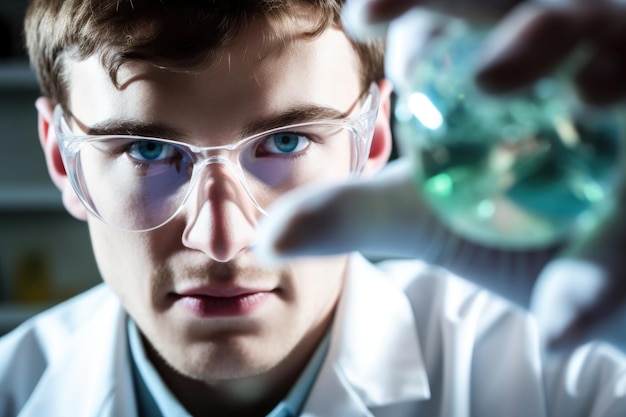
(138, 183)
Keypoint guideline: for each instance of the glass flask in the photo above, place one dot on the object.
(519, 171)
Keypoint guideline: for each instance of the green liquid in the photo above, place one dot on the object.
(515, 172)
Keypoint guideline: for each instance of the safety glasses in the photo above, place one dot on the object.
(138, 183)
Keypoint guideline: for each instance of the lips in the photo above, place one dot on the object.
(207, 302)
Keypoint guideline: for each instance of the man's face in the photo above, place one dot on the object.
(192, 286)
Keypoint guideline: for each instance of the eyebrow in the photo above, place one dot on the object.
(300, 114)
(295, 115)
(133, 128)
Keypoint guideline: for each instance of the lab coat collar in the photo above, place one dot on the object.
(88, 379)
(374, 358)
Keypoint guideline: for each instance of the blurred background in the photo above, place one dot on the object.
(45, 254)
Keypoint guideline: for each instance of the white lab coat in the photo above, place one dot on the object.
(409, 341)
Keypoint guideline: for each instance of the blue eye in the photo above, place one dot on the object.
(151, 150)
(285, 143)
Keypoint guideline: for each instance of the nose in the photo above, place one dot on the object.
(220, 217)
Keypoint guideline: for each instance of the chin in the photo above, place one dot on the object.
(217, 364)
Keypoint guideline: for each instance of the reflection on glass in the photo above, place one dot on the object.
(517, 171)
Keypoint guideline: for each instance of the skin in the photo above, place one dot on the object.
(238, 365)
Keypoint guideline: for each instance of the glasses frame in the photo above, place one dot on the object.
(361, 126)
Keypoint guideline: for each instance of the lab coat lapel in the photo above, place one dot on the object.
(374, 357)
(90, 377)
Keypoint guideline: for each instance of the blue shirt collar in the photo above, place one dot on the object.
(156, 400)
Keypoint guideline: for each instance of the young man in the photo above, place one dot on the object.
(170, 127)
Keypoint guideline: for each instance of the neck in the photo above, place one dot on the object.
(250, 397)
(254, 396)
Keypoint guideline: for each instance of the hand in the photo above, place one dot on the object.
(529, 41)
(331, 220)
(581, 295)
(385, 217)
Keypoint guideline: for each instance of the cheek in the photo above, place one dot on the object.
(316, 284)
(131, 266)
(126, 260)
(133, 252)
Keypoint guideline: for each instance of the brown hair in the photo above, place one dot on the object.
(171, 34)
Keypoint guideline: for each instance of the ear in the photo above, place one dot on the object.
(382, 142)
(56, 169)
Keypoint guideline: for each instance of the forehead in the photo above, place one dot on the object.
(240, 83)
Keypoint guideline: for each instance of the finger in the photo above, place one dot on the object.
(359, 24)
(377, 216)
(529, 43)
(369, 19)
(601, 80)
(409, 40)
(582, 296)
(603, 321)
(565, 290)
(385, 10)
(577, 302)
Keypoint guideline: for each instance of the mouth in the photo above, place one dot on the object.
(227, 302)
